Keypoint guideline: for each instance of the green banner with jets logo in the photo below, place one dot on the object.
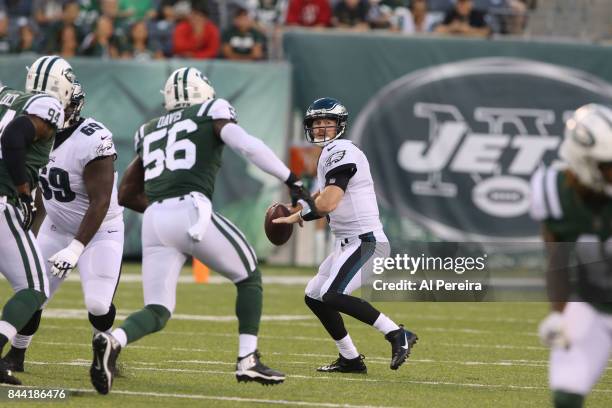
(125, 94)
(453, 128)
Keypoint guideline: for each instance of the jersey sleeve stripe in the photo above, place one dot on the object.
(38, 70)
(47, 71)
(32, 99)
(185, 93)
(212, 102)
(552, 193)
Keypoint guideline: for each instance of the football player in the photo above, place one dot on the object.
(171, 180)
(83, 224)
(575, 206)
(346, 195)
(28, 123)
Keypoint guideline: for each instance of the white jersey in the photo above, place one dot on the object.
(357, 212)
(61, 181)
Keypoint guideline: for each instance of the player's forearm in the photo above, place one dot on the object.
(136, 202)
(17, 136)
(94, 216)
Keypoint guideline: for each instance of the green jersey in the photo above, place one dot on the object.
(180, 151)
(570, 218)
(14, 103)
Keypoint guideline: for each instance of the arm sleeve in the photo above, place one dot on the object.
(254, 150)
(341, 175)
(17, 136)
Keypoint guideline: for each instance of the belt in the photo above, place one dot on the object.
(366, 237)
(179, 198)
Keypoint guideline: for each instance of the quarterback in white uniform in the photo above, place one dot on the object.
(347, 197)
(83, 224)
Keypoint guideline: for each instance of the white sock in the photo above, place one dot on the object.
(347, 348)
(120, 336)
(385, 325)
(247, 343)
(21, 342)
(7, 329)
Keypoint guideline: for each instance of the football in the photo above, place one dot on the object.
(278, 234)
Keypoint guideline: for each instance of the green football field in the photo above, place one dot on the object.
(468, 355)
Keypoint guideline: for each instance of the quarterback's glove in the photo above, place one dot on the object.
(552, 331)
(65, 260)
(28, 210)
(296, 189)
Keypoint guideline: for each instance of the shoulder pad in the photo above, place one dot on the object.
(218, 109)
(545, 200)
(47, 108)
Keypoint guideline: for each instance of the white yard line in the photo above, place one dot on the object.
(321, 377)
(220, 398)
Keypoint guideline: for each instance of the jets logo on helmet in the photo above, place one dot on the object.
(588, 144)
(52, 75)
(325, 108)
(186, 87)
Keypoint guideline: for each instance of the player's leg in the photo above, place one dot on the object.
(345, 277)
(225, 249)
(163, 230)
(22, 265)
(573, 372)
(99, 268)
(50, 240)
(349, 359)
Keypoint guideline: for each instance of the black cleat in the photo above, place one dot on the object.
(14, 359)
(6, 375)
(402, 342)
(103, 368)
(345, 365)
(249, 368)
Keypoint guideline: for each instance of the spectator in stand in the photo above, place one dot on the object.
(102, 42)
(18, 8)
(26, 38)
(68, 38)
(463, 19)
(309, 13)
(351, 14)
(242, 41)
(46, 12)
(137, 9)
(162, 28)
(418, 19)
(110, 9)
(138, 45)
(197, 36)
(70, 15)
(5, 43)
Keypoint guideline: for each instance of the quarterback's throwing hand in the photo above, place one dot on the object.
(291, 219)
(65, 260)
(552, 331)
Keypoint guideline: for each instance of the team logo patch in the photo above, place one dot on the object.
(335, 158)
(458, 162)
(105, 148)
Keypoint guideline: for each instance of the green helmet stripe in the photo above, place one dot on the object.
(47, 71)
(38, 71)
(185, 95)
(176, 85)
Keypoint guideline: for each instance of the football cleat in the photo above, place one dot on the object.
(6, 375)
(402, 342)
(345, 365)
(249, 368)
(106, 349)
(14, 359)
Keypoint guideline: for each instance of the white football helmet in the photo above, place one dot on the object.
(51, 75)
(185, 87)
(588, 143)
